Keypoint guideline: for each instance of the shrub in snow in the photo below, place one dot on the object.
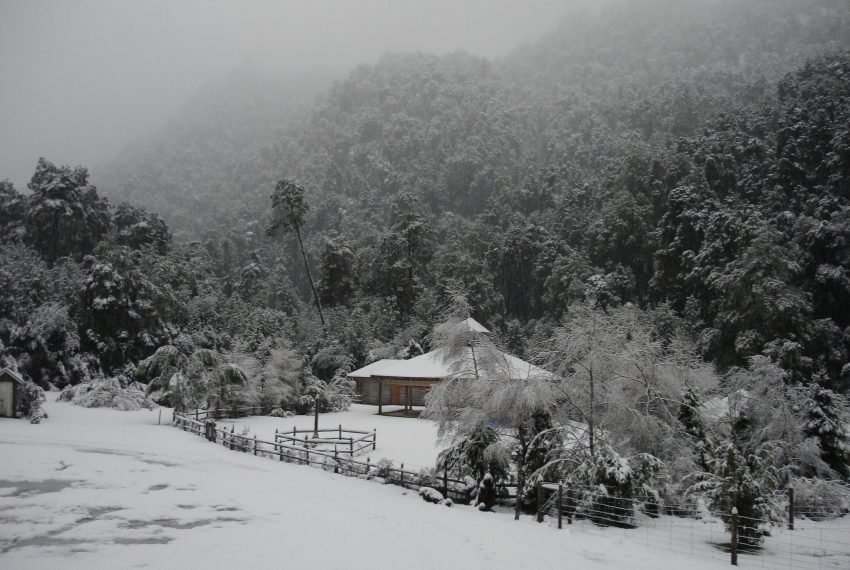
(486, 498)
(473, 455)
(108, 393)
(447, 503)
(431, 495)
(818, 499)
(281, 413)
(30, 399)
(383, 468)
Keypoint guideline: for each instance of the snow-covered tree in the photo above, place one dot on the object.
(826, 419)
(745, 480)
(64, 215)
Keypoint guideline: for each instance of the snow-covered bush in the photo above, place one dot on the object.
(383, 468)
(819, 499)
(30, 399)
(281, 413)
(486, 498)
(431, 495)
(108, 393)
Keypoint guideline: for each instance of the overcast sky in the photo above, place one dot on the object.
(80, 78)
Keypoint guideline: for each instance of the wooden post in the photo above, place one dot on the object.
(255, 444)
(340, 431)
(368, 465)
(733, 547)
(293, 432)
(374, 438)
(336, 460)
(380, 397)
(790, 508)
(196, 414)
(402, 474)
(351, 446)
(539, 501)
(308, 455)
(569, 504)
(560, 504)
(232, 437)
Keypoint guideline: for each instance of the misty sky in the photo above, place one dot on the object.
(82, 78)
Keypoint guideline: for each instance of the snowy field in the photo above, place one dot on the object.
(93, 488)
(411, 441)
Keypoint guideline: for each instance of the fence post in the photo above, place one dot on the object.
(340, 431)
(308, 457)
(336, 460)
(790, 508)
(569, 504)
(368, 465)
(232, 435)
(196, 414)
(255, 444)
(539, 501)
(560, 504)
(733, 547)
(402, 474)
(351, 446)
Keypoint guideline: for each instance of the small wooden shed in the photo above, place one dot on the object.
(10, 387)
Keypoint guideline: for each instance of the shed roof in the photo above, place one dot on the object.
(8, 374)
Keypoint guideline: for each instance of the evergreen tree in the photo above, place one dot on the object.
(826, 419)
(64, 215)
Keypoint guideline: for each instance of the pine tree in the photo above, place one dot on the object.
(826, 420)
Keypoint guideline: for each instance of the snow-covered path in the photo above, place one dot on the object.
(107, 489)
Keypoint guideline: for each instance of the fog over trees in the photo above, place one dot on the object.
(648, 199)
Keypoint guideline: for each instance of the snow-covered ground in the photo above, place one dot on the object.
(94, 488)
(411, 441)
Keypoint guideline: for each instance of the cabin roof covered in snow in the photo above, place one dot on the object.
(437, 364)
(7, 374)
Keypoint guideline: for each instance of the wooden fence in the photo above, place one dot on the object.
(286, 449)
(347, 441)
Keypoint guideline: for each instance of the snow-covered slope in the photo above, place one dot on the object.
(95, 488)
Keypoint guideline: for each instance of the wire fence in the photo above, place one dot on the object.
(805, 537)
(800, 539)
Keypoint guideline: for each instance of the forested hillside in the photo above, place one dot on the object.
(694, 168)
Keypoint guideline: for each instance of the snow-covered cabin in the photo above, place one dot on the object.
(10, 384)
(405, 382)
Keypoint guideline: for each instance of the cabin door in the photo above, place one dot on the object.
(395, 395)
(6, 399)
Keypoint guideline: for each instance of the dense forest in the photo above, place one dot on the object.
(695, 169)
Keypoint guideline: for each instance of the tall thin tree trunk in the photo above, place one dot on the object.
(310, 277)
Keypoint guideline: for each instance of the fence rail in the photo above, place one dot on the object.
(347, 441)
